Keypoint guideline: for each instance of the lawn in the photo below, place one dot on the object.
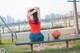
(23, 49)
(50, 47)
(11, 48)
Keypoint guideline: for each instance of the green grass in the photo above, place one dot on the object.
(3, 41)
(11, 48)
(25, 48)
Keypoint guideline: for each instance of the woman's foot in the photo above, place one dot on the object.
(41, 47)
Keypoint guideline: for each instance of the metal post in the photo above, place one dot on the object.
(75, 17)
(12, 36)
(0, 35)
(68, 20)
(48, 36)
(15, 35)
(18, 27)
(67, 44)
(48, 33)
(31, 45)
(52, 24)
(3, 29)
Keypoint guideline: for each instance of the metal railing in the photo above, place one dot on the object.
(12, 33)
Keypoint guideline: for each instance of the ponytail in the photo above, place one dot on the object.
(35, 17)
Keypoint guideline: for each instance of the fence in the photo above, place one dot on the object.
(43, 25)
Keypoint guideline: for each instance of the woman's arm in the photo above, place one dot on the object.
(38, 13)
(36, 9)
(28, 14)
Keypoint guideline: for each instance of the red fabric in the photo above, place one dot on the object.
(35, 28)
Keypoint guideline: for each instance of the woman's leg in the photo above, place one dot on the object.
(32, 37)
(41, 38)
(41, 46)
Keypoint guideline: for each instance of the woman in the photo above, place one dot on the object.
(34, 22)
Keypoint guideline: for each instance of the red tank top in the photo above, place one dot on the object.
(35, 28)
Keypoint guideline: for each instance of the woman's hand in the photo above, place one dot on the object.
(29, 14)
(36, 9)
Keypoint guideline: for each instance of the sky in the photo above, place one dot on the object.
(18, 8)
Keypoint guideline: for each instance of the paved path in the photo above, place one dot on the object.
(69, 30)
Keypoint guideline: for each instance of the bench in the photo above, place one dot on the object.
(62, 38)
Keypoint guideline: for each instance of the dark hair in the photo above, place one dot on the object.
(35, 17)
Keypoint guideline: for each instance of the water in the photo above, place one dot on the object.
(43, 24)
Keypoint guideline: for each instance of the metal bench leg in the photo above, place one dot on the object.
(67, 44)
(31, 45)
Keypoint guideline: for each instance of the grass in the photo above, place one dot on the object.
(11, 48)
(24, 48)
